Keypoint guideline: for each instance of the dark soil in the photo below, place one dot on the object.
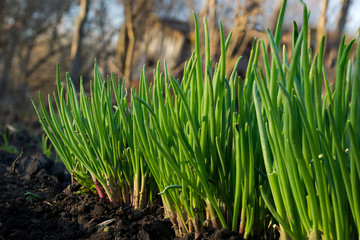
(37, 201)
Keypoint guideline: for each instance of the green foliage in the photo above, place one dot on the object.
(30, 195)
(45, 146)
(6, 146)
(308, 140)
(201, 152)
(94, 139)
(224, 151)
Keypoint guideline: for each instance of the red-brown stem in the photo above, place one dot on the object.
(99, 188)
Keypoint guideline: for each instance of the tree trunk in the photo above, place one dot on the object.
(341, 21)
(321, 27)
(121, 44)
(131, 43)
(75, 54)
(132, 31)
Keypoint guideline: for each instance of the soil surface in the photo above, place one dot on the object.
(38, 201)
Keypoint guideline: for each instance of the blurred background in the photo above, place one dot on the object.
(124, 35)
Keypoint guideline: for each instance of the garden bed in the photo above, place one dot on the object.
(61, 213)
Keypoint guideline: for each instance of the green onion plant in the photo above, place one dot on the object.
(94, 139)
(309, 139)
(201, 151)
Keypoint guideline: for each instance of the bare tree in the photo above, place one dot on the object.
(75, 54)
(24, 26)
(321, 27)
(341, 21)
(136, 13)
(131, 39)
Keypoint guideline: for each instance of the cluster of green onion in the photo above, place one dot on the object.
(309, 140)
(201, 152)
(95, 140)
(222, 151)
